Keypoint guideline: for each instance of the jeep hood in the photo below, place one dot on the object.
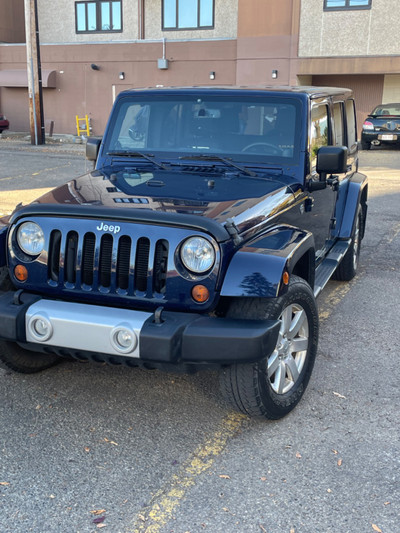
(216, 196)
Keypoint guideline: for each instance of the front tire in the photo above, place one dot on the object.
(14, 357)
(273, 386)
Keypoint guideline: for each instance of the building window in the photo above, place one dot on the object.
(98, 16)
(187, 14)
(334, 5)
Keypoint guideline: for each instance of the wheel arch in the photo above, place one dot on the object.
(357, 194)
(257, 268)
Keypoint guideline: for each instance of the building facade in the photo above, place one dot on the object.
(92, 49)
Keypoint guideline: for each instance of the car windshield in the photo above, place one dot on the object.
(262, 129)
(388, 109)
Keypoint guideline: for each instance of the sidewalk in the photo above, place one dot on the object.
(58, 143)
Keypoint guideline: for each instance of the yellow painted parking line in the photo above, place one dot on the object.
(166, 500)
(334, 298)
(395, 232)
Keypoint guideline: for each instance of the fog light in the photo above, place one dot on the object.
(40, 327)
(123, 339)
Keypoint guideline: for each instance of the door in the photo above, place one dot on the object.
(320, 204)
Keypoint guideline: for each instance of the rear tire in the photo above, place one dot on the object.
(273, 386)
(365, 145)
(347, 267)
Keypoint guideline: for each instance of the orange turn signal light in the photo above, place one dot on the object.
(21, 273)
(200, 294)
(285, 278)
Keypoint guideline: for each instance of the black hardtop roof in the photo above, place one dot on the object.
(232, 90)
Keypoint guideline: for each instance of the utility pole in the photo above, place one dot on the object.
(34, 73)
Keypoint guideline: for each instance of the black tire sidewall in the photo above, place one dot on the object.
(14, 357)
(247, 386)
(345, 270)
(277, 405)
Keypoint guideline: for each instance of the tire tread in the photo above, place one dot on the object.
(241, 383)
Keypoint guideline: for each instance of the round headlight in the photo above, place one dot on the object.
(30, 238)
(197, 255)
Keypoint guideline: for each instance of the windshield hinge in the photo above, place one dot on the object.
(233, 231)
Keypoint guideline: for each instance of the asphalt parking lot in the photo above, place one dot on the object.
(87, 447)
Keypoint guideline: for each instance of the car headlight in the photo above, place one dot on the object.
(30, 238)
(197, 254)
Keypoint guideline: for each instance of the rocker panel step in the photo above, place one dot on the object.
(328, 266)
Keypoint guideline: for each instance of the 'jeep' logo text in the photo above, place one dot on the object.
(106, 227)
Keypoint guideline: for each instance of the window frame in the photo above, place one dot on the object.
(347, 6)
(351, 143)
(98, 16)
(186, 28)
(343, 124)
(314, 105)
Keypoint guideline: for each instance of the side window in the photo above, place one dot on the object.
(130, 131)
(351, 123)
(338, 120)
(319, 134)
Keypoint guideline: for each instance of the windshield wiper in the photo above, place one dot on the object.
(228, 162)
(149, 157)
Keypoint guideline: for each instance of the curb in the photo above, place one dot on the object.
(64, 138)
(57, 143)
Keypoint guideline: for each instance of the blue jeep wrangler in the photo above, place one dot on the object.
(211, 222)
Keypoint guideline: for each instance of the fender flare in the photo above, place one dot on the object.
(356, 194)
(256, 269)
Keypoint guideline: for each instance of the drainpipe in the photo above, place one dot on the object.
(141, 20)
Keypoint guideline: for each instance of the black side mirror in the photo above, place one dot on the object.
(92, 148)
(331, 160)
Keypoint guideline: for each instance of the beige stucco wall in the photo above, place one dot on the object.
(57, 23)
(349, 32)
(391, 88)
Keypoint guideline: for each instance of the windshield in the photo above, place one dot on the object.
(388, 109)
(245, 129)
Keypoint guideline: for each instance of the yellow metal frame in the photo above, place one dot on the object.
(82, 130)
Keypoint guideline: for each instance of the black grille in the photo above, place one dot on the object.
(54, 255)
(142, 264)
(70, 257)
(123, 262)
(89, 243)
(108, 263)
(160, 266)
(105, 261)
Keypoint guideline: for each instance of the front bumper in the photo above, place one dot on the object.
(90, 331)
